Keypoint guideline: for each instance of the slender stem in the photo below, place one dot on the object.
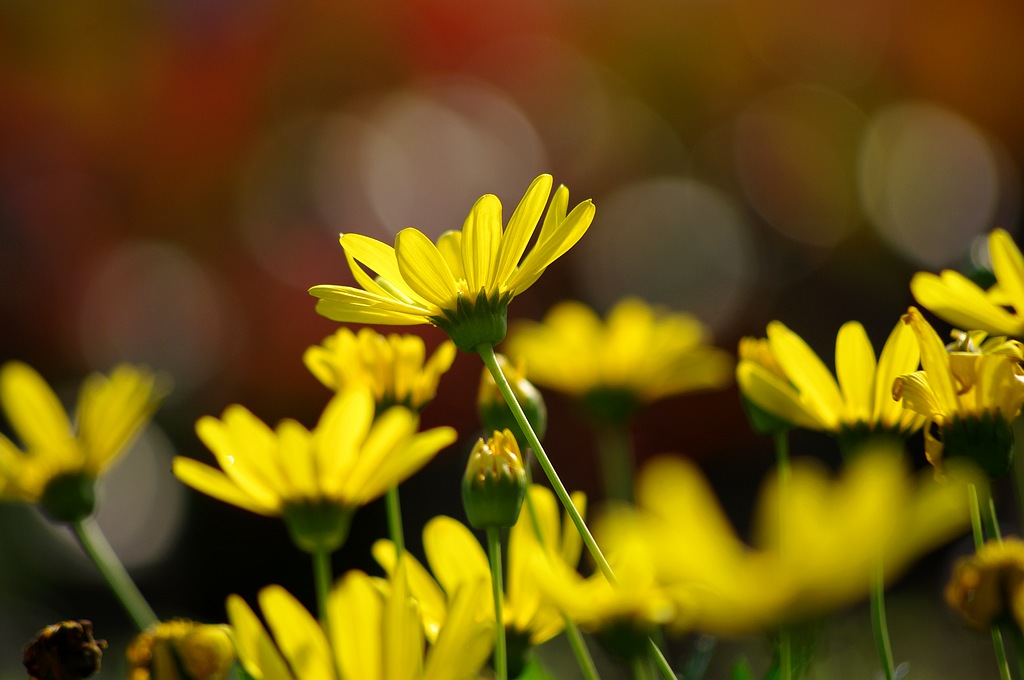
(642, 668)
(616, 455)
(784, 472)
(879, 623)
(486, 353)
(979, 540)
(660, 662)
(494, 553)
(394, 510)
(579, 650)
(95, 544)
(322, 578)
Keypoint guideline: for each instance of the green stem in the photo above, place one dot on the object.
(394, 510)
(979, 540)
(642, 668)
(784, 472)
(486, 353)
(660, 662)
(879, 623)
(494, 553)
(95, 544)
(616, 455)
(322, 580)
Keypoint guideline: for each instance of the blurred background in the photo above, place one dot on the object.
(174, 175)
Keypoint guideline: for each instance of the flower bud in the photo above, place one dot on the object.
(495, 413)
(988, 587)
(64, 651)
(495, 482)
(181, 650)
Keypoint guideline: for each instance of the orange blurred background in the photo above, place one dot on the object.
(174, 174)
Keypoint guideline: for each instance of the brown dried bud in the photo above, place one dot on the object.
(64, 651)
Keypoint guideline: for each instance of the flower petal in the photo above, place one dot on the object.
(521, 226)
(432, 601)
(455, 556)
(916, 395)
(351, 305)
(297, 634)
(481, 238)
(958, 300)
(546, 251)
(1008, 266)
(818, 389)
(855, 369)
(216, 484)
(34, 411)
(379, 257)
(357, 626)
(424, 269)
(900, 356)
(256, 651)
(935, 361)
(775, 395)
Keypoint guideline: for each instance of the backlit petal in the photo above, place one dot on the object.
(424, 269)
(297, 634)
(935, 361)
(33, 409)
(900, 356)
(855, 369)
(817, 387)
(521, 226)
(481, 238)
(216, 484)
(561, 239)
(1008, 266)
(958, 300)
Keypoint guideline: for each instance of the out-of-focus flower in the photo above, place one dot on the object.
(313, 479)
(394, 366)
(59, 460)
(967, 397)
(818, 541)
(956, 299)
(457, 559)
(64, 651)
(464, 283)
(988, 587)
(494, 411)
(494, 483)
(181, 650)
(784, 377)
(375, 634)
(639, 354)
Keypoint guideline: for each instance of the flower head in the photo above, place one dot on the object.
(494, 483)
(59, 460)
(375, 634)
(181, 650)
(784, 377)
(956, 299)
(314, 479)
(988, 587)
(637, 355)
(464, 282)
(968, 397)
(394, 366)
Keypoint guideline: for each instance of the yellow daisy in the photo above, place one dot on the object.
(968, 397)
(456, 558)
(375, 635)
(313, 479)
(464, 282)
(956, 299)
(635, 356)
(59, 460)
(394, 366)
(784, 377)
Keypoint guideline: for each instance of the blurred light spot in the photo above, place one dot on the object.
(280, 222)
(423, 157)
(152, 303)
(831, 42)
(795, 152)
(672, 241)
(929, 180)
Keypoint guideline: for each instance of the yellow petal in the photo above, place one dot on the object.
(357, 627)
(379, 257)
(455, 556)
(111, 412)
(958, 300)
(814, 382)
(774, 395)
(339, 436)
(900, 356)
(351, 305)
(465, 642)
(33, 410)
(1008, 266)
(450, 247)
(855, 369)
(481, 238)
(206, 479)
(297, 634)
(256, 651)
(403, 633)
(432, 601)
(424, 269)
(405, 460)
(560, 240)
(521, 226)
(915, 393)
(246, 450)
(297, 462)
(935, 361)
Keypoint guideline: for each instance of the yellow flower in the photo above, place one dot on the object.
(956, 299)
(181, 650)
(988, 587)
(784, 377)
(56, 454)
(818, 540)
(394, 366)
(968, 397)
(462, 284)
(314, 479)
(456, 559)
(638, 355)
(375, 635)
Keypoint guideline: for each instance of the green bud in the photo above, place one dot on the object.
(986, 439)
(494, 485)
(483, 321)
(69, 497)
(495, 413)
(317, 525)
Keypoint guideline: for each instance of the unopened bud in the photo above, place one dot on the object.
(495, 482)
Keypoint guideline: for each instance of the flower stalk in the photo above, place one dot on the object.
(498, 589)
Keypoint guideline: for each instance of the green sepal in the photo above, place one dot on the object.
(69, 497)
(986, 439)
(483, 321)
(614, 406)
(764, 422)
(493, 501)
(316, 526)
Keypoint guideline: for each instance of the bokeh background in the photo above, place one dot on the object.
(174, 174)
